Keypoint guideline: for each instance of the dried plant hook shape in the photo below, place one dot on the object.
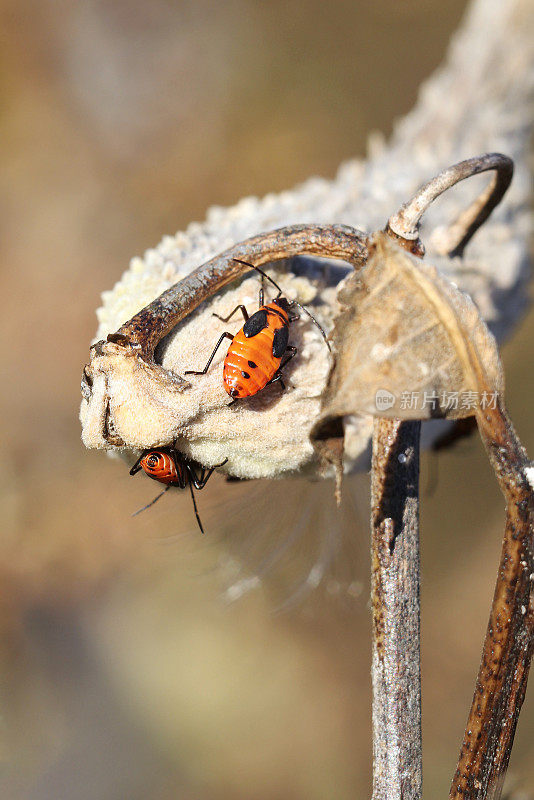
(146, 329)
(404, 225)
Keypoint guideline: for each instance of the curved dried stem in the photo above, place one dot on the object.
(509, 643)
(405, 223)
(146, 329)
(153, 322)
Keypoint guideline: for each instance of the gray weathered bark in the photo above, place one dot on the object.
(397, 748)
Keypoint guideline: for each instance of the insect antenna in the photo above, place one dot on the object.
(323, 334)
(246, 263)
(294, 302)
(152, 501)
(195, 507)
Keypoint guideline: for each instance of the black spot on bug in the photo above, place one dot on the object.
(252, 365)
(281, 337)
(245, 374)
(255, 324)
(234, 392)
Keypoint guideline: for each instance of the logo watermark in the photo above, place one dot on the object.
(435, 401)
(384, 400)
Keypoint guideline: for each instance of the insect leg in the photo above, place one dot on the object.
(137, 466)
(152, 501)
(231, 314)
(278, 379)
(195, 507)
(199, 481)
(290, 352)
(203, 371)
(179, 464)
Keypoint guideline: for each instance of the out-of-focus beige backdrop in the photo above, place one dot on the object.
(125, 675)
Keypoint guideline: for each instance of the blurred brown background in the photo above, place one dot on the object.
(124, 673)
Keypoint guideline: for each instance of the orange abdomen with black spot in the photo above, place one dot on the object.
(256, 351)
(160, 466)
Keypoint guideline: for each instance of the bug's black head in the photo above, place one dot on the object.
(284, 303)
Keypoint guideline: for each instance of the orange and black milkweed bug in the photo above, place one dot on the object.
(260, 350)
(167, 465)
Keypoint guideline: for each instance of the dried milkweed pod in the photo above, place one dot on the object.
(492, 108)
(137, 397)
(135, 402)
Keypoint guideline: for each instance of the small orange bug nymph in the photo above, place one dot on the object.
(260, 350)
(167, 465)
(159, 465)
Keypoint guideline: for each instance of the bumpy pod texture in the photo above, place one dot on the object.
(261, 436)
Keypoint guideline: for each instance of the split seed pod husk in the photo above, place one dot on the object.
(409, 345)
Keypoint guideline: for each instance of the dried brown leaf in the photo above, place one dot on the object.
(405, 329)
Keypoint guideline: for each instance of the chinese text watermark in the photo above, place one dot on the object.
(436, 401)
